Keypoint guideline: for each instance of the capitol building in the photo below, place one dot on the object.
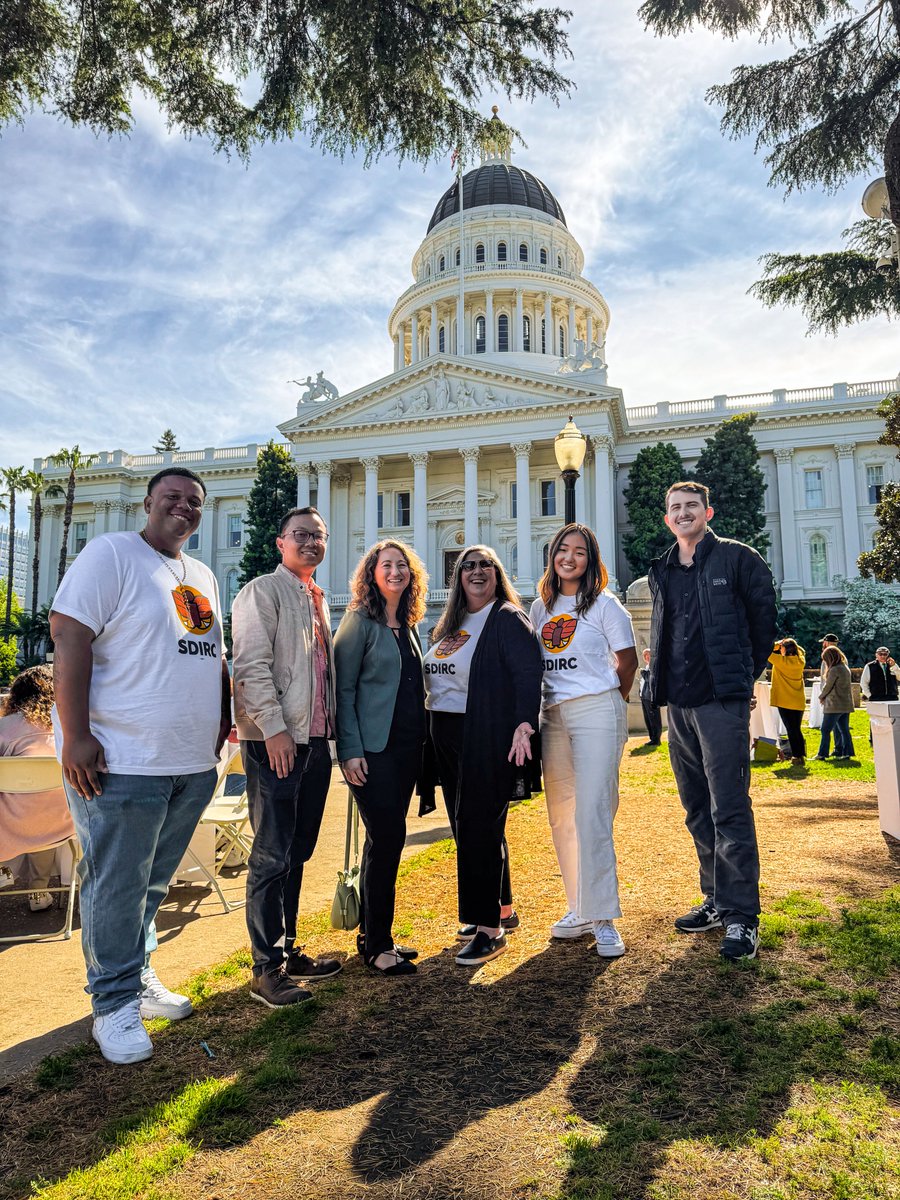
(498, 340)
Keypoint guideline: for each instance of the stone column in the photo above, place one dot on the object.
(302, 470)
(522, 451)
(517, 330)
(791, 585)
(548, 324)
(420, 503)
(414, 339)
(433, 332)
(849, 507)
(397, 363)
(339, 542)
(207, 550)
(323, 504)
(589, 331)
(604, 497)
(51, 536)
(470, 458)
(580, 509)
(570, 348)
(489, 322)
(101, 517)
(460, 327)
(370, 524)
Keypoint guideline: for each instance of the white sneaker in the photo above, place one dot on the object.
(570, 926)
(609, 940)
(38, 901)
(158, 1001)
(121, 1036)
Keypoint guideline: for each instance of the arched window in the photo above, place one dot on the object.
(442, 339)
(231, 589)
(457, 257)
(523, 252)
(503, 333)
(442, 263)
(428, 271)
(543, 336)
(818, 560)
(526, 333)
(479, 335)
(501, 252)
(545, 554)
(479, 252)
(562, 341)
(543, 256)
(559, 262)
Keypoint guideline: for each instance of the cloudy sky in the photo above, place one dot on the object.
(146, 282)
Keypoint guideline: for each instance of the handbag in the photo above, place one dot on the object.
(346, 906)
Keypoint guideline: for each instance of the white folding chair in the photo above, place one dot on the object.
(231, 817)
(24, 775)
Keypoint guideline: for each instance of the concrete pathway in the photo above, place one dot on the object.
(43, 1007)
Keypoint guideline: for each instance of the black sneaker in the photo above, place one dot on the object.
(511, 922)
(699, 919)
(481, 949)
(301, 966)
(740, 941)
(275, 990)
(407, 952)
(465, 933)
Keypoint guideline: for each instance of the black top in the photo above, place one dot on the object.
(497, 183)
(408, 721)
(688, 683)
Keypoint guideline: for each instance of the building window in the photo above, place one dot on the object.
(231, 589)
(545, 554)
(543, 257)
(874, 483)
(442, 338)
(457, 256)
(818, 561)
(501, 252)
(80, 540)
(559, 262)
(562, 341)
(193, 542)
(428, 271)
(543, 336)
(235, 530)
(480, 329)
(513, 505)
(523, 252)
(503, 333)
(442, 263)
(479, 252)
(381, 510)
(548, 499)
(526, 333)
(403, 508)
(814, 489)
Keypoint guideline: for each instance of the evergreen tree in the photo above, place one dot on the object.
(399, 78)
(883, 560)
(274, 491)
(825, 113)
(729, 466)
(654, 470)
(8, 648)
(167, 441)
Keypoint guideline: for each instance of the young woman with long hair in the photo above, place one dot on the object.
(788, 696)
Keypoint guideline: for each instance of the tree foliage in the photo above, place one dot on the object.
(167, 441)
(871, 618)
(729, 466)
(823, 114)
(883, 560)
(807, 625)
(8, 647)
(654, 470)
(13, 479)
(74, 461)
(274, 491)
(398, 76)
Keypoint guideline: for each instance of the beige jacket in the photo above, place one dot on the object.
(273, 656)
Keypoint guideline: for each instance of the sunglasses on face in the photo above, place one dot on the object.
(472, 563)
(303, 537)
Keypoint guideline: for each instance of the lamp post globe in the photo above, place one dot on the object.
(570, 446)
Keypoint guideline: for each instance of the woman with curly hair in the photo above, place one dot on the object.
(40, 818)
(381, 727)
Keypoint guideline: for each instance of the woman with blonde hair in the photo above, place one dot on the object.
(381, 727)
(587, 642)
(40, 818)
(483, 679)
(788, 661)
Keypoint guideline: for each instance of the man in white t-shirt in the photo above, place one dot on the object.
(143, 706)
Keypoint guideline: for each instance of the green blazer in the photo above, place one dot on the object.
(367, 661)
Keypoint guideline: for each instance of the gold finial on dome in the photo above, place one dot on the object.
(496, 140)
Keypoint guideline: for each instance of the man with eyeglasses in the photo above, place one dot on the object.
(284, 705)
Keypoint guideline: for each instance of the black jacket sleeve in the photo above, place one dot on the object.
(757, 590)
(522, 661)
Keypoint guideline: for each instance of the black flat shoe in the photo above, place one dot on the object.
(401, 967)
(406, 952)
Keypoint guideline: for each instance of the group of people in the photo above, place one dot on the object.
(144, 704)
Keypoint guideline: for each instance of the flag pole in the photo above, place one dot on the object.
(461, 301)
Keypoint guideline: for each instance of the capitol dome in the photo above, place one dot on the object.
(497, 183)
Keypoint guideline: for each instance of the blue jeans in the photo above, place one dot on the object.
(839, 724)
(133, 836)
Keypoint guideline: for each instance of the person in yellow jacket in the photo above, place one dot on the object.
(788, 661)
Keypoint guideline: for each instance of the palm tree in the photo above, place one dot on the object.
(13, 479)
(75, 461)
(35, 483)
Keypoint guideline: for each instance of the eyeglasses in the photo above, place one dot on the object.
(470, 564)
(303, 537)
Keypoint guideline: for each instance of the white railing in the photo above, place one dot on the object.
(779, 397)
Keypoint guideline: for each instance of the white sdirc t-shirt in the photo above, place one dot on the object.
(578, 650)
(447, 665)
(156, 683)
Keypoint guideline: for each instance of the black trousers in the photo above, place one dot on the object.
(478, 824)
(792, 718)
(383, 803)
(653, 720)
(285, 815)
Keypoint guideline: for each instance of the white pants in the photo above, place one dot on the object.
(581, 747)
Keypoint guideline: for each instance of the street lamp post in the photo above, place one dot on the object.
(570, 446)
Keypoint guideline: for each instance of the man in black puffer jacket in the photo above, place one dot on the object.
(712, 631)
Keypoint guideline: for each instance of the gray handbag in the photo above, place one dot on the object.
(346, 907)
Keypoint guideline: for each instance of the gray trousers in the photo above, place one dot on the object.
(709, 747)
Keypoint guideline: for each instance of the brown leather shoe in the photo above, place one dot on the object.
(276, 990)
(301, 966)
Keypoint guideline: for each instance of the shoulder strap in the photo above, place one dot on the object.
(352, 824)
